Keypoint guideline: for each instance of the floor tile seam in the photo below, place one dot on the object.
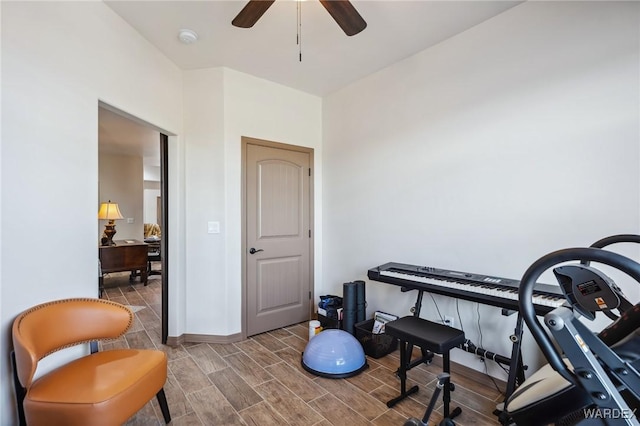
(229, 402)
(187, 414)
(475, 412)
(221, 355)
(264, 348)
(339, 401)
(295, 394)
(185, 353)
(258, 364)
(349, 407)
(197, 390)
(282, 361)
(257, 361)
(240, 377)
(388, 410)
(274, 410)
(278, 339)
(195, 361)
(415, 399)
(472, 391)
(149, 337)
(295, 368)
(429, 385)
(275, 379)
(249, 351)
(187, 395)
(493, 385)
(366, 393)
(367, 372)
(381, 385)
(373, 400)
(205, 371)
(418, 415)
(243, 378)
(156, 411)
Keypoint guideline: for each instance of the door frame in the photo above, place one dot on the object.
(164, 240)
(163, 146)
(245, 142)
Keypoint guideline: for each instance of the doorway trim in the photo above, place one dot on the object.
(164, 241)
(245, 141)
(164, 193)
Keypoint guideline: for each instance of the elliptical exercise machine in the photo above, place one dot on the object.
(590, 379)
(443, 380)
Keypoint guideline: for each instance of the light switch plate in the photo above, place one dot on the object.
(213, 227)
(129, 220)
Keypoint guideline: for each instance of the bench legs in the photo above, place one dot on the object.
(405, 365)
(448, 387)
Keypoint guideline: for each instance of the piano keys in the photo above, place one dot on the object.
(488, 290)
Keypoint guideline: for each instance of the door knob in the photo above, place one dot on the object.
(254, 251)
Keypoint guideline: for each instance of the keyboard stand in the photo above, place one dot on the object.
(427, 356)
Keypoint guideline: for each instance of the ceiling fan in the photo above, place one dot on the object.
(342, 11)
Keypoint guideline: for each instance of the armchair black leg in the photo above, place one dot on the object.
(162, 400)
(20, 391)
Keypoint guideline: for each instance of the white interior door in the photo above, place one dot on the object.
(278, 238)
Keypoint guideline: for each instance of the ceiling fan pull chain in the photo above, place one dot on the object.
(299, 25)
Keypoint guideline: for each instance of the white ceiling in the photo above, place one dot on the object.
(396, 29)
(120, 135)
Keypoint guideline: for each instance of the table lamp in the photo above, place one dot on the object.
(109, 211)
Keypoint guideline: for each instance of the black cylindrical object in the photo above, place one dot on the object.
(361, 302)
(349, 307)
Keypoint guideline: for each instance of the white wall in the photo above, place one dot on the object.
(221, 106)
(151, 205)
(206, 311)
(58, 60)
(151, 193)
(513, 139)
(151, 173)
(120, 180)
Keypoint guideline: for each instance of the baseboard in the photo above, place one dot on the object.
(203, 338)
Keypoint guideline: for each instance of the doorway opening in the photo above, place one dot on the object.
(133, 172)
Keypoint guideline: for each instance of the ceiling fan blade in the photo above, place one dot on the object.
(343, 12)
(251, 12)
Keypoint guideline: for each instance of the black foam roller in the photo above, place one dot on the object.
(349, 301)
(361, 302)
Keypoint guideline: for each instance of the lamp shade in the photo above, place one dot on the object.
(109, 211)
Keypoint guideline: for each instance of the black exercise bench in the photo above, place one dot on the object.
(431, 338)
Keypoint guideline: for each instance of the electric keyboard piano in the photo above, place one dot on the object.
(494, 291)
(488, 290)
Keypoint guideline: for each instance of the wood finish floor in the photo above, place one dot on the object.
(260, 381)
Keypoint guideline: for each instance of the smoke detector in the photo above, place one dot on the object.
(187, 36)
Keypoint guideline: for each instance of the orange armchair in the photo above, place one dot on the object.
(103, 388)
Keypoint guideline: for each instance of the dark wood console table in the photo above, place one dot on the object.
(126, 255)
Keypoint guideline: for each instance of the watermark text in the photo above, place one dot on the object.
(609, 413)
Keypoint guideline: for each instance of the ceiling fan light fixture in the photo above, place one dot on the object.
(187, 36)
